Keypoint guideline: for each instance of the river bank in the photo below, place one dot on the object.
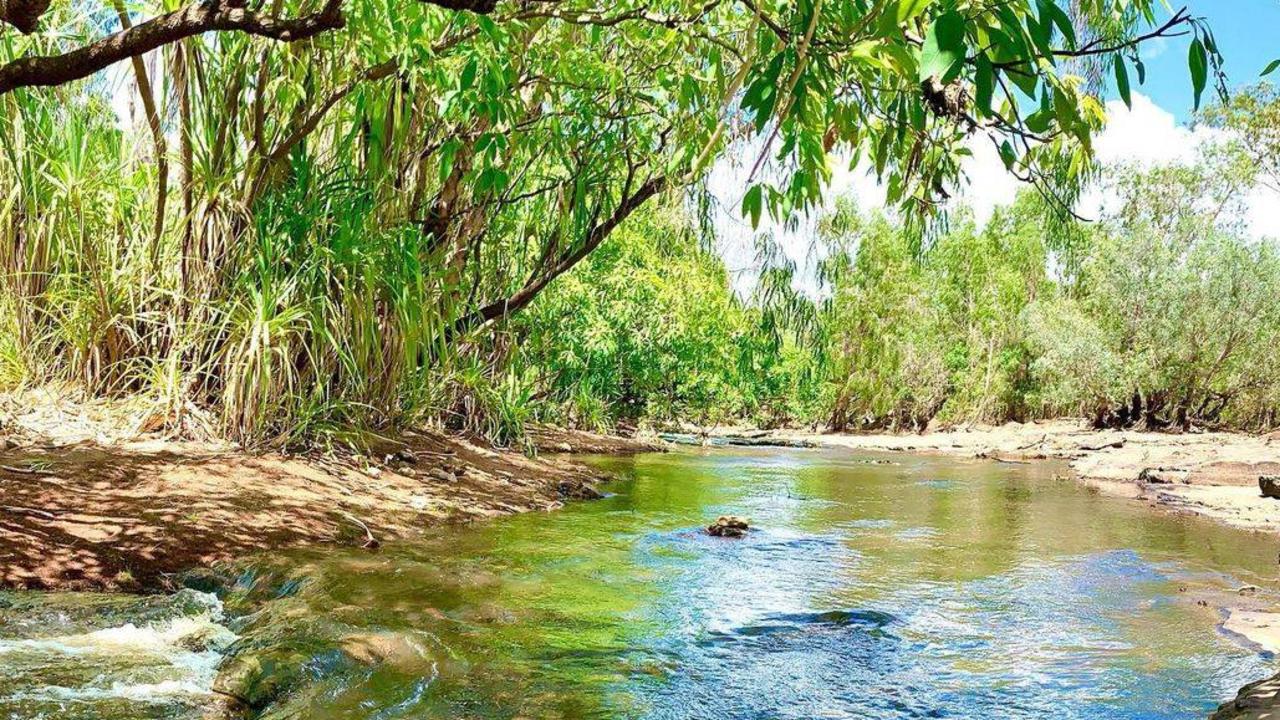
(102, 512)
(1211, 474)
(90, 503)
(86, 504)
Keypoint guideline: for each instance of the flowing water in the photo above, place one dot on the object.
(872, 587)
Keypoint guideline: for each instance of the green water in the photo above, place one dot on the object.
(922, 588)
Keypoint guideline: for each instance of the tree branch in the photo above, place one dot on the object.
(195, 19)
(215, 15)
(23, 14)
(525, 295)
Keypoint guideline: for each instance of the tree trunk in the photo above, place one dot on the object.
(147, 94)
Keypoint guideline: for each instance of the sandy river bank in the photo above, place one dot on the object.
(1213, 475)
(88, 504)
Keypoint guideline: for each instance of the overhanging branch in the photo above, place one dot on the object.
(23, 14)
(195, 19)
(51, 70)
(596, 235)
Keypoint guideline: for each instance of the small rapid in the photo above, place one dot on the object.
(72, 655)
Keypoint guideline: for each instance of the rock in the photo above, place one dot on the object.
(1104, 445)
(1255, 701)
(377, 648)
(1159, 476)
(577, 490)
(441, 474)
(406, 456)
(1269, 485)
(257, 680)
(730, 526)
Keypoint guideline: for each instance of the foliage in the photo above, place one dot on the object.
(358, 214)
(1180, 313)
(648, 329)
(909, 339)
(1162, 315)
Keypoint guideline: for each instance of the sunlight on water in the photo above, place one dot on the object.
(922, 588)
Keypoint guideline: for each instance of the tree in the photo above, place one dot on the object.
(474, 152)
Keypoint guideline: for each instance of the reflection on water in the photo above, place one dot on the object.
(926, 588)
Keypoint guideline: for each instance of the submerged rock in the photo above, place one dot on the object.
(377, 648)
(1269, 485)
(730, 526)
(256, 680)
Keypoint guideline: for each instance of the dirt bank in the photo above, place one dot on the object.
(1214, 475)
(92, 511)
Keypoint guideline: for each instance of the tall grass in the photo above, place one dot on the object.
(319, 315)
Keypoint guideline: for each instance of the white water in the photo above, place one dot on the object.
(131, 669)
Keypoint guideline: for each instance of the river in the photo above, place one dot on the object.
(871, 586)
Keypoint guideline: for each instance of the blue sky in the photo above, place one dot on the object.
(1248, 33)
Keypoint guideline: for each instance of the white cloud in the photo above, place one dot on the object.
(1263, 214)
(1148, 135)
(1154, 48)
(990, 184)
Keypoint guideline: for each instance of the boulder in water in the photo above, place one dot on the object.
(730, 526)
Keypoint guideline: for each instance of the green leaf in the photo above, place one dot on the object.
(1059, 18)
(1042, 37)
(984, 85)
(909, 9)
(1008, 155)
(1271, 68)
(752, 204)
(468, 76)
(447, 153)
(1198, 62)
(1040, 121)
(1026, 78)
(944, 50)
(1122, 82)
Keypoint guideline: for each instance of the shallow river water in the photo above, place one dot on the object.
(872, 587)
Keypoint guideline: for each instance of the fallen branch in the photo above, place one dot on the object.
(26, 470)
(19, 510)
